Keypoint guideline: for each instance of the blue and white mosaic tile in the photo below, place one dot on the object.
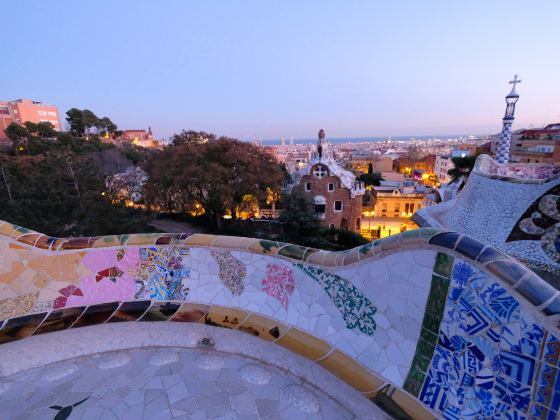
(489, 354)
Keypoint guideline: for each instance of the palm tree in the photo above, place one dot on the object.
(463, 167)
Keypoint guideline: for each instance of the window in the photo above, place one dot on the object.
(308, 186)
(412, 207)
(320, 171)
(338, 205)
(4, 110)
(358, 223)
(397, 207)
(331, 186)
(406, 209)
(384, 207)
(331, 226)
(319, 208)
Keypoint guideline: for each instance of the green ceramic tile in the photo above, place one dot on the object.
(293, 251)
(421, 362)
(431, 322)
(428, 336)
(438, 295)
(414, 381)
(425, 349)
(443, 265)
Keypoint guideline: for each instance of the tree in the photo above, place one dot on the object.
(371, 179)
(191, 136)
(43, 129)
(16, 132)
(463, 167)
(75, 121)
(298, 216)
(82, 121)
(60, 193)
(370, 168)
(217, 174)
(89, 120)
(107, 126)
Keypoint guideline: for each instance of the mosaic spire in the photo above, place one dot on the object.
(502, 154)
(322, 145)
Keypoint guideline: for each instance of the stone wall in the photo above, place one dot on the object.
(436, 322)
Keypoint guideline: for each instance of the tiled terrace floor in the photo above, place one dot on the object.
(162, 383)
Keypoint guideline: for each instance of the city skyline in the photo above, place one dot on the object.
(251, 71)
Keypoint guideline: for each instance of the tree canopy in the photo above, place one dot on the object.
(463, 167)
(82, 121)
(371, 179)
(217, 174)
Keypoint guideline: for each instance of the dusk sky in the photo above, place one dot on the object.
(266, 69)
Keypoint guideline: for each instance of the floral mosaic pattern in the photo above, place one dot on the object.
(232, 271)
(488, 355)
(356, 309)
(279, 283)
(161, 274)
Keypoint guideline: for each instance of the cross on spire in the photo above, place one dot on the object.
(513, 93)
(515, 81)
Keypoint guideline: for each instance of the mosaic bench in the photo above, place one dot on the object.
(434, 323)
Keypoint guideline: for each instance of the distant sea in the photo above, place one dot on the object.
(340, 140)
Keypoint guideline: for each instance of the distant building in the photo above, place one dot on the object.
(443, 164)
(397, 199)
(142, 138)
(467, 147)
(336, 194)
(425, 164)
(24, 110)
(360, 163)
(537, 145)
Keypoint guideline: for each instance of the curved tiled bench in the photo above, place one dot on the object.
(432, 321)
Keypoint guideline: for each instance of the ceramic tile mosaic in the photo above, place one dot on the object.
(481, 353)
(129, 385)
(232, 271)
(519, 214)
(405, 313)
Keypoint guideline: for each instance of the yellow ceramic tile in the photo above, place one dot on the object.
(142, 239)
(190, 312)
(17, 268)
(351, 372)
(304, 344)
(220, 316)
(330, 259)
(29, 238)
(262, 327)
(199, 239)
(340, 258)
(264, 246)
(233, 242)
(411, 405)
(107, 241)
(10, 230)
(317, 257)
(43, 242)
(73, 243)
(351, 257)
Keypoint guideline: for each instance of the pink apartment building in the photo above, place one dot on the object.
(23, 110)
